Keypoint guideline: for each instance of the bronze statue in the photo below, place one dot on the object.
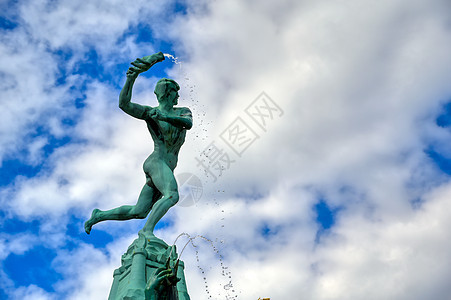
(167, 126)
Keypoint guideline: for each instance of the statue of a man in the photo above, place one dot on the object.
(167, 126)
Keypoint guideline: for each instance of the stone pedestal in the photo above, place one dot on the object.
(144, 256)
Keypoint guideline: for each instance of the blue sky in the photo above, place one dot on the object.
(345, 189)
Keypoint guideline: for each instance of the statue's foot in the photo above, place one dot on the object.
(91, 221)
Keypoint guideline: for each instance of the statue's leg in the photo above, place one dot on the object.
(146, 200)
(165, 182)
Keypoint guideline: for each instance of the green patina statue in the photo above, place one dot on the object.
(167, 126)
(150, 268)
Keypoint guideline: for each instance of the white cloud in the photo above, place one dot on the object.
(78, 25)
(406, 258)
(16, 244)
(28, 75)
(31, 292)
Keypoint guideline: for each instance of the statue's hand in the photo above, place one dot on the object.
(160, 280)
(132, 73)
(140, 65)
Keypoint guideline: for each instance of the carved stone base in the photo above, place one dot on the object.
(144, 256)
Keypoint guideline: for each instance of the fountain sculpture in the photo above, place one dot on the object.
(150, 268)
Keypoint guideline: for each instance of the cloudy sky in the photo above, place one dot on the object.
(320, 145)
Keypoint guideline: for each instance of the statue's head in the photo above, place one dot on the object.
(166, 90)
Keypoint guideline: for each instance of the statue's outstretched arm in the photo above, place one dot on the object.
(185, 120)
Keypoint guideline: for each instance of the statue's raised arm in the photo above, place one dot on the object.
(139, 65)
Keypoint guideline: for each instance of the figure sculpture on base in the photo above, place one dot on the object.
(143, 274)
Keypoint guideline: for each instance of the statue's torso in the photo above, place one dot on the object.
(168, 139)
